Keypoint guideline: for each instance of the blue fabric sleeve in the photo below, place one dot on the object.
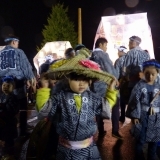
(25, 66)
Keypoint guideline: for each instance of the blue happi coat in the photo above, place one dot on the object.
(73, 125)
(119, 66)
(13, 61)
(133, 64)
(102, 58)
(139, 106)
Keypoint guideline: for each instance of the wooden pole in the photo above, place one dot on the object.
(79, 26)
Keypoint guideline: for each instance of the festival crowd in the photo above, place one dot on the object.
(73, 96)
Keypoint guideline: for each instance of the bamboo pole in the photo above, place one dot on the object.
(79, 26)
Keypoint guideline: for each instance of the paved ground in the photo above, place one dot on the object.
(110, 147)
(114, 149)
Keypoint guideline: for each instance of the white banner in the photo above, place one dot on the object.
(118, 29)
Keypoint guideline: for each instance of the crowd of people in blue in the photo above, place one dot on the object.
(74, 95)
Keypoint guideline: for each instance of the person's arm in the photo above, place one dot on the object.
(105, 104)
(117, 67)
(43, 94)
(111, 93)
(109, 67)
(128, 60)
(104, 61)
(25, 66)
(26, 69)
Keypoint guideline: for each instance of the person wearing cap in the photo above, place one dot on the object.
(9, 108)
(78, 47)
(144, 111)
(122, 51)
(13, 62)
(133, 61)
(100, 56)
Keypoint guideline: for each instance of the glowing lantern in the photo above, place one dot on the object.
(118, 29)
(57, 47)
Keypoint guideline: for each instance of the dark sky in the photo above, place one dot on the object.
(27, 17)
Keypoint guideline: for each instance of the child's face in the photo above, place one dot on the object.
(78, 86)
(7, 88)
(150, 74)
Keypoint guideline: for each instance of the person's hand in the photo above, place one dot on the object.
(31, 83)
(38, 75)
(152, 111)
(117, 83)
(34, 84)
(113, 84)
(28, 84)
(135, 121)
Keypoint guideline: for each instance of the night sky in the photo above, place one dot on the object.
(27, 18)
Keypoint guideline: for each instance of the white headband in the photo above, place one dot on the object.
(11, 39)
(122, 49)
(132, 39)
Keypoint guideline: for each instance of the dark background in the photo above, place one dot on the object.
(26, 18)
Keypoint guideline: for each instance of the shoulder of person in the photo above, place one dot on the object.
(93, 95)
(138, 49)
(7, 48)
(19, 50)
(12, 96)
(157, 85)
(118, 60)
(122, 58)
(131, 51)
(97, 50)
(58, 93)
(142, 83)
